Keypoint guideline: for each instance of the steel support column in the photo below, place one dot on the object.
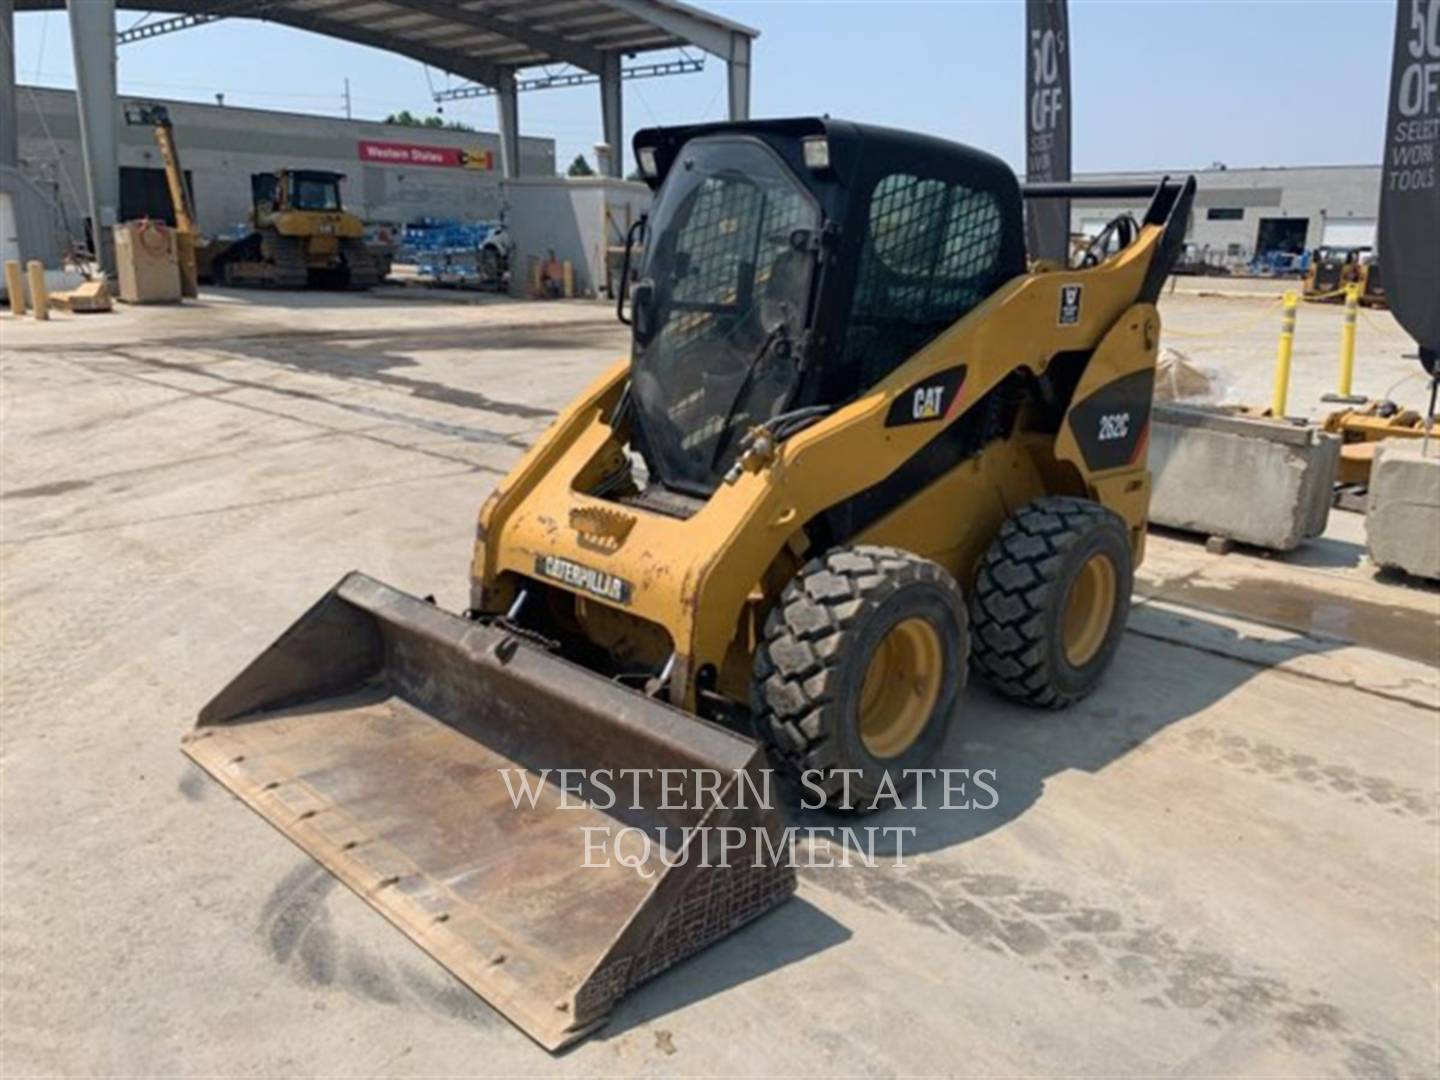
(507, 113)
(737, 73)
(92, 32)
(610, 112)
(9, 126)
(720, 38)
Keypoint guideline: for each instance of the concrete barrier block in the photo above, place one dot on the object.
(1402, 527)
(1259, 481)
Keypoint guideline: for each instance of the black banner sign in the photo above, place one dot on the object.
(1047, 125)
(1409, 233)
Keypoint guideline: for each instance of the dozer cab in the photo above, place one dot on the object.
(301, 236)
(859, 448)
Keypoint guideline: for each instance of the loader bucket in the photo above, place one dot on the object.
(378, 734)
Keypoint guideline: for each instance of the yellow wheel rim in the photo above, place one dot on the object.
(1089, 607)
(900, 688)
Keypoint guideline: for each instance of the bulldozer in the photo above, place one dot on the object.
(1333, 269)
(301, 236)
(861, 447)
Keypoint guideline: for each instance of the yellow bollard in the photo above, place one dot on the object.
(1282, 358)
(15, 286)
(1347, 338)
(39, 295)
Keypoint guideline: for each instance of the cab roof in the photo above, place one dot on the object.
(851, 144)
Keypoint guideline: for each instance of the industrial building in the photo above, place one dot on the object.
(393, 173)
(1241, 214)
(493, 47)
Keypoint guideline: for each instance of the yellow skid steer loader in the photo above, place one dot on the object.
(859, 448)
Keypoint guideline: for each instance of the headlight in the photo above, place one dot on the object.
(646, 157)
(817, 152)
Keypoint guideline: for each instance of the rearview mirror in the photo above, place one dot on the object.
(642, 317)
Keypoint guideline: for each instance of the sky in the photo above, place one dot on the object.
(1163, 84)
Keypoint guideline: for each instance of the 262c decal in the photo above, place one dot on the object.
(1110, 425)
(1114, 426)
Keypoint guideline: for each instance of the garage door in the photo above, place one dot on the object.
(1350, 232)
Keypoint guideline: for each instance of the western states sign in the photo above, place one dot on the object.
(445, 157)
(1409, 236)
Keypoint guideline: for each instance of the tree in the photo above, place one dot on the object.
(580, 167)
(405, 118)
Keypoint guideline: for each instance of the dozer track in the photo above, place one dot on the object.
(363, 272)
(377, 734)
(286, 256)
(265, 260)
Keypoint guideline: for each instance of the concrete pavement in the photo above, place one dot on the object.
(1225, 862)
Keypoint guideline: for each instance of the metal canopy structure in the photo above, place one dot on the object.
(484, 41)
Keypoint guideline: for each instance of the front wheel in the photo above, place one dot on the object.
(1050, 601)
(861, 664)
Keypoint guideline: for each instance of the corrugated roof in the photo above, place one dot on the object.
(477, 39)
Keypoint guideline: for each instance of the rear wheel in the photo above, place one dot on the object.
(1051, 600)
(491, 268)
(861, 664)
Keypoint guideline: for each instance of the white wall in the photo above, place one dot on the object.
(567, 215)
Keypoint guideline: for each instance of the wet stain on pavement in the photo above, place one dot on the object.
(464, 398)
(1409, 632)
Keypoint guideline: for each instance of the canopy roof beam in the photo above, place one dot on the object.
(724, 40)
(558, 47)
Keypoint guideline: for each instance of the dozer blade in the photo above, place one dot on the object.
(377, 734)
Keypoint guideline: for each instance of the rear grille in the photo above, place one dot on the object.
(660, 500)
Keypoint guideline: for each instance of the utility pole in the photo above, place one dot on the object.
(347, 98)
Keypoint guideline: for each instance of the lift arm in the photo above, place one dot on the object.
(157, 117)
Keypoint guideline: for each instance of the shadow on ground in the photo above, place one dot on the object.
(1145, 692)
(792, 932)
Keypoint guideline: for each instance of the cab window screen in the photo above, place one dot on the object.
(312, 194)
(729, 260)
(730, 249)
(931, 253)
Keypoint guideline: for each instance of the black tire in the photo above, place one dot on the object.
(1019, 605)
(491, 268)
(816, 652)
